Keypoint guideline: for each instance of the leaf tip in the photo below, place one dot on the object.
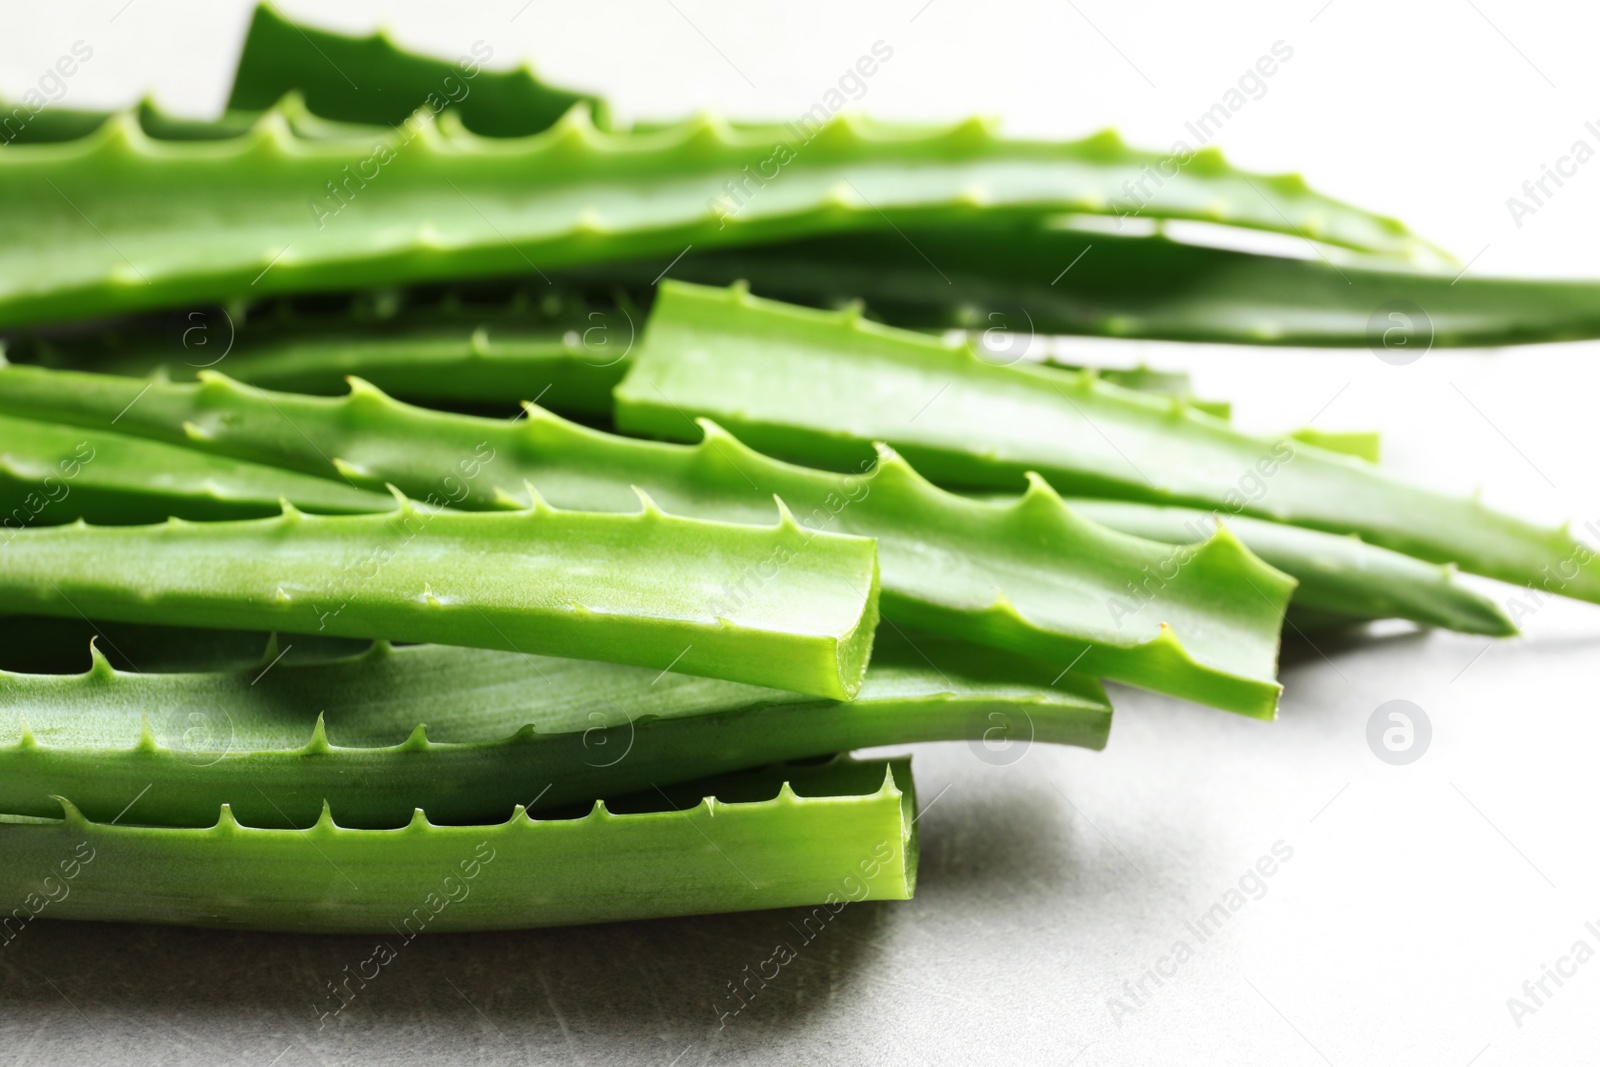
(648, 508)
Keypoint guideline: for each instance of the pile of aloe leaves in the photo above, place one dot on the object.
(429, 504)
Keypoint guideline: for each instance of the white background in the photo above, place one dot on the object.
(1419, 898)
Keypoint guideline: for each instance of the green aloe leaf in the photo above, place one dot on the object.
(820, 387)
(50, 644)
(132, 223)
(52, 474)
(1028, 576)
(373, 80)
(568, 368)
(277, 739)
(1342, 576)
(644, 588)
(775, 838)
(983, 274)
(54, 125)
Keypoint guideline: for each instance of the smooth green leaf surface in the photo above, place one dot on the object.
(642, 588)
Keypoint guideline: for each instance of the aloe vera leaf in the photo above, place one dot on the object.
(54, 125)
(1029, 576)
(52, 474)
(565, 350)
(501, 729)
(1340, 575)
(1139, 287)
(177, 223)
(49, 644)
(485, 364)
(373, 80)
(641, 588)
(803, 836)
(820, 387)
(568, 356)
(21, 124)
(1363, 444)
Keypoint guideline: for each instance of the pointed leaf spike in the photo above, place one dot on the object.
(349, 471)
(786, 520)
(100, 668)
(147, 739)
(318, 745)
(70, 813)
(403, 503)
(537, 505)
(649, 509)
(417, 742)
(364, 393)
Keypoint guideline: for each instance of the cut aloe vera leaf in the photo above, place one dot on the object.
(820, 387)
(1029, 576)
(1140, 287)
(132, 223)
(645, 588)
(276, 740)
(373, 80)
(1344, 576)
(792, 836)
(52, 474)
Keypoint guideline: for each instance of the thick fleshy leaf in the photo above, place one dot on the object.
(821, 387)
